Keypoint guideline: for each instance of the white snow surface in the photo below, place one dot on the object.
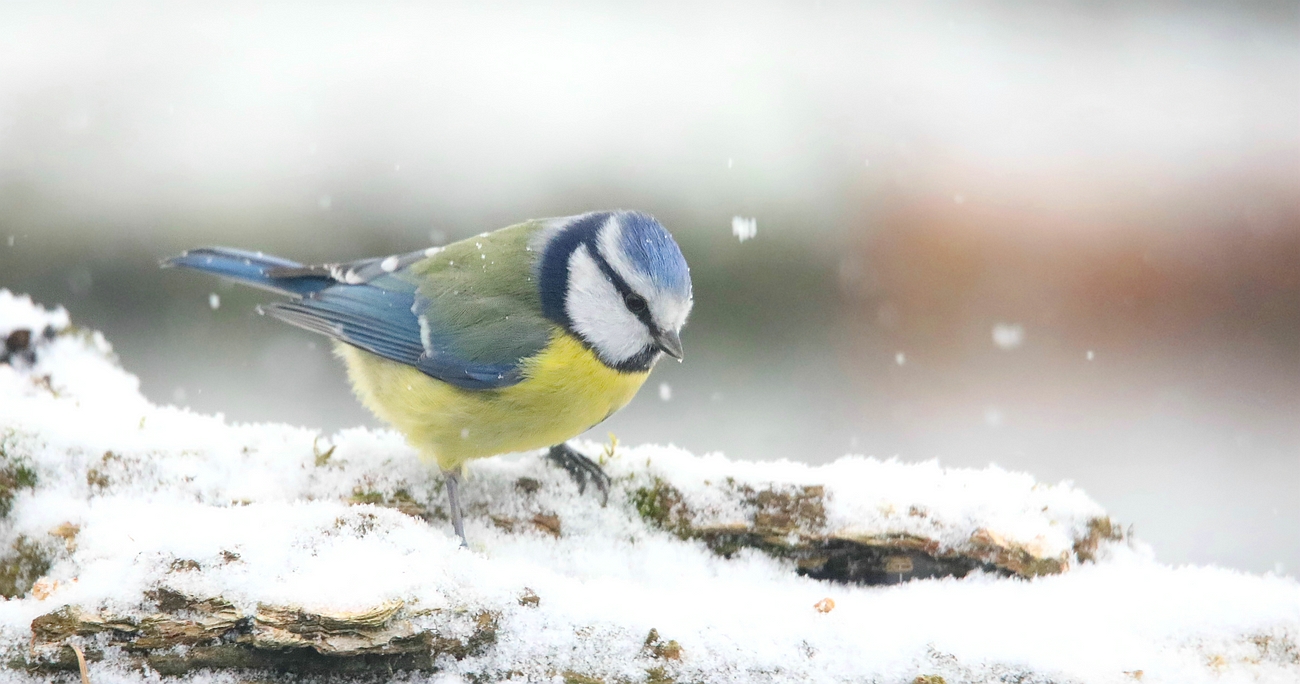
(175, 485)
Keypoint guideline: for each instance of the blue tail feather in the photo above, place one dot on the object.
(251, 268)
(359, 303)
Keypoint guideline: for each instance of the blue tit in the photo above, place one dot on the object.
(513, 340)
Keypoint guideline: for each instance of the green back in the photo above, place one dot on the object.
(480, 297)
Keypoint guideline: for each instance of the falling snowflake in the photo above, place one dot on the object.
(1008, 336)
(744, 228)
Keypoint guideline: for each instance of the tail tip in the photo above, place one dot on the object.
(172, 261)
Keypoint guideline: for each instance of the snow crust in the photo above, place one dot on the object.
(260, 514)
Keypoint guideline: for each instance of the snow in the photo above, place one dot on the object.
(1008, 336)
(266, 514)
(744, 228)
(18, 312)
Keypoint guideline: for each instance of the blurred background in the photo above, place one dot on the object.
(1059, 237)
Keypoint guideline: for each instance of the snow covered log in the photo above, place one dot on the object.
(186, 634)
(157, 540)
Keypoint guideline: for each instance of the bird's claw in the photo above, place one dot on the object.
(581, 469)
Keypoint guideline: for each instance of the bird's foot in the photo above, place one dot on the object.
(581, 469)
(452, 478)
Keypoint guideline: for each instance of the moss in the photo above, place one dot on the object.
(24, 477)
(323, 457)
(400, 500)
(649, 503)
(1099, 530)
(929, 679)
(657, 648)
(25, 563)
(97, 477)
(361, 496)
(789, 522)
(58, 625)
(16, 473)
(786, 510)
(571, 677)
(662, 506)
(652, 638)
(484, 637)
(991, 547)
(185, 565)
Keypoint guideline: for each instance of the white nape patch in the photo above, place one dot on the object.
(668, 311)
(598, 312)
(549, 230)
(389, 265)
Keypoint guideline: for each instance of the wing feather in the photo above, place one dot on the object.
(464, 326)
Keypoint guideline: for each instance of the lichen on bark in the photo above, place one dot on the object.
(182, 633)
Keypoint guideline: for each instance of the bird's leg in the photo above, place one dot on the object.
(581, 469)
(452, 477)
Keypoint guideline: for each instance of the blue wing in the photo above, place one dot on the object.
(366, 303)
(380, 318)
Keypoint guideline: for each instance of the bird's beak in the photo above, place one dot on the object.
(670, 342)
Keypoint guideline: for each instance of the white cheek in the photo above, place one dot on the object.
(598, 313)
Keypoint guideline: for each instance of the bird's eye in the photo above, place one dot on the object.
(635, 303)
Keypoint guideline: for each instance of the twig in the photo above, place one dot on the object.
(81, 663)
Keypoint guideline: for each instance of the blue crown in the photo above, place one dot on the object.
(654, 252)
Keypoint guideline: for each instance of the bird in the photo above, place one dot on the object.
(513, 340)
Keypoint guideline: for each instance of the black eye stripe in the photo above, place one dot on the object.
(624, 290)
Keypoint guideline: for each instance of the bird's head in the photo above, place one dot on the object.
(619, 282)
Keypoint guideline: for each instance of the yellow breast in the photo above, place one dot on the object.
(565, 391)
